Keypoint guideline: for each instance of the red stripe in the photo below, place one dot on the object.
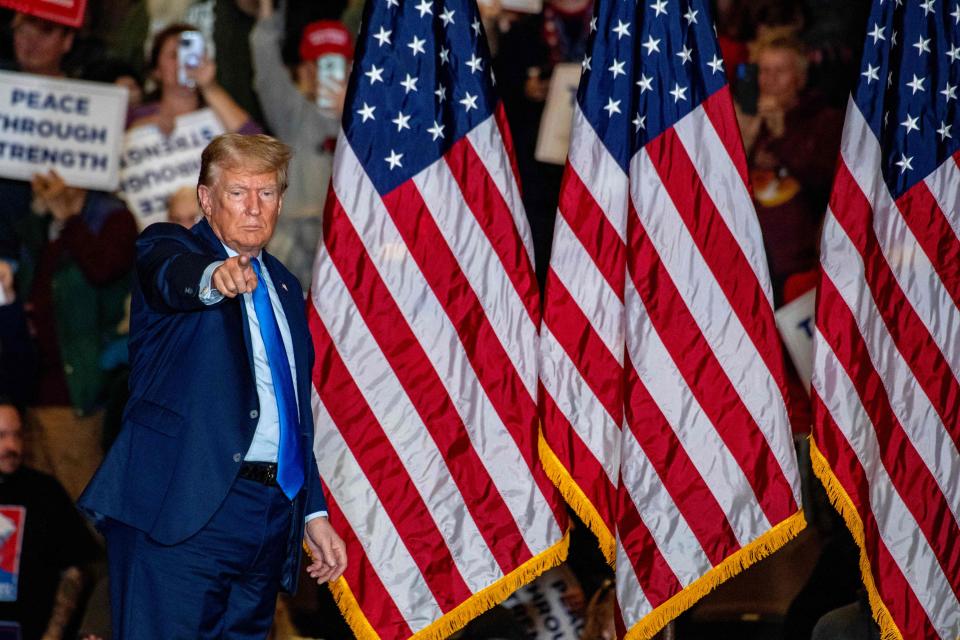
(491, 211)
(490, 362)
(720, 112)
(929, 224)
(719, 248)
(381, 465)
(907, 471)
(691, 495)
(589, 223)
(577, 459)
(375, 601)
(422, 385)
(593, 360)
(894, 590)
(909, 333)
(656, 578)
(707, 380)
(503, 126)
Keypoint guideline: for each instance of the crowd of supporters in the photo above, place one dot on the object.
(67, 253)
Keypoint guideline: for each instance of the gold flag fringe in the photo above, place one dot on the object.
(772, 540)
(458, 617)
(844, 505)
(577, 500)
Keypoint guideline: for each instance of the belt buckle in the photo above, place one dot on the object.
(270, 474)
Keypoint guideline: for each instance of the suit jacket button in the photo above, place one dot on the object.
(237, 457)
(188, 291)
(254, 414)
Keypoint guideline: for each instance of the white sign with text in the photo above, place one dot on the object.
(796, 322)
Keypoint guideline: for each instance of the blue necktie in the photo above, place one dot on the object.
(289, 456)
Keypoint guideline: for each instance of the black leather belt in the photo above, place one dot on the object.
(262, 472)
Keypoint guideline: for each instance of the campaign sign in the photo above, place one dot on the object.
(553, 139)
(550, 607)
(66, 12)
(71, 126)
(796, 322)
(154, 166)
(12, 518)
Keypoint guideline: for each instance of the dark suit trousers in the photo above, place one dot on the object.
(221, 582)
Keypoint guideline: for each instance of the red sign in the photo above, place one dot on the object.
(65, 12)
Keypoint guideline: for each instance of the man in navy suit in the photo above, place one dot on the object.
(211, 485)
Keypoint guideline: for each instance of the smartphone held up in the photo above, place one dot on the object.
(190, 51)
(329, 44)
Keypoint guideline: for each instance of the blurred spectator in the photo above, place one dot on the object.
(173, 99)
(17, 357)
(289, 104)
(183, 207)
(45, 586)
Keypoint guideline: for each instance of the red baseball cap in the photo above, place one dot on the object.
(325, 36)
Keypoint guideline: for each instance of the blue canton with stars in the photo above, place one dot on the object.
(421, 81)
(908, 86)
(650, 63)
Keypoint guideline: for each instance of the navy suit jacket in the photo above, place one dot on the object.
(193, 404)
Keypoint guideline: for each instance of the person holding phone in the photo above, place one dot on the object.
(183, 88)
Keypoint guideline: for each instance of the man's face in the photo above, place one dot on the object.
(11, 440)
(242, 208)
(779, 75)
(40, 45)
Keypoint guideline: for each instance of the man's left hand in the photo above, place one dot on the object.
(327, 549)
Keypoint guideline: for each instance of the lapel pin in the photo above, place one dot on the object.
(284, 285)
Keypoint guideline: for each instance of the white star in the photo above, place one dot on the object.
(916, 84)
(679, 93)
(402, 121)
(927, 7)
(383, 37)
(645, 83)
(409, 84)
(944, 131)
(613, 106)
(685, 55)
(475, 25)
(953, 53)
(956, 14)
(691, 16)
(622, 29)
(889, 79)
(475, 63)
(950, 92)
(375, 74)
(441, 93)
(893, 37)
(652, 45)
(392, 3)
(617, 69)
(394, 159)
(904, 163)
(424, 8)
(447, 17)
(366, 112)
(910, 124)
(593, 24)
(469, 101)
(871, 73)
(716, 64)
(444, 55)
(436, 130)
(640, 122)
(416, 45)
(660, 6)
(922, 46)
(877, 33)
(585, 65)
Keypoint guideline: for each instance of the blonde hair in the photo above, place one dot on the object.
(256, 153)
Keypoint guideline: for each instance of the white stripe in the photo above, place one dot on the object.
(944, 184)
(413, 446)
(697, 435)
(382, 544)
(911, 406)
(721, 328)
(599, 172)
(481, 266)
(576, 401)
(438, 337)
(727, 190)
(632, 601)
(898, 529)
(591, 292)
(660, 514)
(486, 140)
(910, 265)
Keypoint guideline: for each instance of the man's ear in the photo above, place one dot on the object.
(203, 194)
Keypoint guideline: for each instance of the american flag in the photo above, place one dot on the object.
(887, 357)
(664, 413)
(424, 318)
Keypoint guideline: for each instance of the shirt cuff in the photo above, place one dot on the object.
(314, 516)
(209, 295)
